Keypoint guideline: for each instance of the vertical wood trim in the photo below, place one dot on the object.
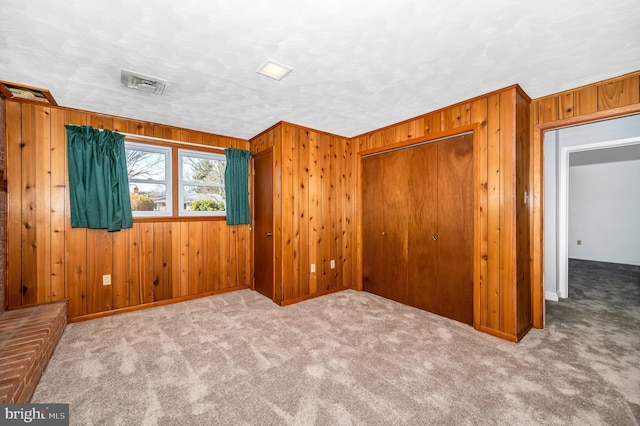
(277, 216)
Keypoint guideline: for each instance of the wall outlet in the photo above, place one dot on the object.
(579, 242)
(333, 264)
(106, 279)
(313, 267)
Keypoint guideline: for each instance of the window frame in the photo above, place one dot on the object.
(168, 180)
(181, 183)
(150, 142)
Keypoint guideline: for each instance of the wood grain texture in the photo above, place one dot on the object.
(311, 217)
(54, 261)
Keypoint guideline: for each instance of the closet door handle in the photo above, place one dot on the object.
(384, 233)
(434, 238)
(269, 234)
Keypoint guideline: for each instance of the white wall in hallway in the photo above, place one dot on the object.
(604, 212)
(554, 141)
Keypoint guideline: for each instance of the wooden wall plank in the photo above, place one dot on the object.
(147, 276)
(548, 110)
(29, 208)
(99, 251)
(233, 256)
(325, 213)
(223, 256)
(58, 195)
(507, 221)
(585, 101)
(120, 271)
(135, 292)
(451, 118)
(479, 115)
(301, 186)
(314, 211)
(333, 212)
(158, 260)
(565, 105)
(618, 93)
(42, 248)
(210, 256)
(492, 302)
(176, 271)
(76, 243)
(339, 171)
(184, 258)
(166, 278)
(195, 257)
(288, 155)
(13, 117)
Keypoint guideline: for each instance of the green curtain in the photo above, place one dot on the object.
(98, 182)
(236, 186)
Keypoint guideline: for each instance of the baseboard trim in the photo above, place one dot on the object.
(153, 304)
(550, 295)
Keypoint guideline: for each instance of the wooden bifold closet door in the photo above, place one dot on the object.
(417, 228)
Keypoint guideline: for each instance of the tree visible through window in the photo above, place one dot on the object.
(202, 183)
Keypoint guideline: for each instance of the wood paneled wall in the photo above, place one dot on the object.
(314, 209)
(502, 118)
(603, 100)
(152, 262)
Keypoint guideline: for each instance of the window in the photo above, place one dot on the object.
(201, 183)
(149, 170)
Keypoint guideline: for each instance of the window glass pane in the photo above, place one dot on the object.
(203, 198)
(146, 165)
(148, 197)
(202, 170)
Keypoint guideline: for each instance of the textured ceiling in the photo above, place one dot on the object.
(358, 65)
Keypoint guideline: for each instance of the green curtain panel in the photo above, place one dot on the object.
(98, 182)
(236, 186)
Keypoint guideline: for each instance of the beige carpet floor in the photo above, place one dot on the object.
(352, 358)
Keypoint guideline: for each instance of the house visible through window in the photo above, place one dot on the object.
(201, 183)
(149, 171)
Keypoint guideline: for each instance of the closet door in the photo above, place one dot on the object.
(373, 224)
(423, 228)
(455, 228)
(385, 224)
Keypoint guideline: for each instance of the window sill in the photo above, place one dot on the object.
(179, 219)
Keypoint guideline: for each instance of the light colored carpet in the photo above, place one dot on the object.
(349, 358)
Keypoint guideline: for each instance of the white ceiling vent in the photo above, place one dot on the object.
(145, 83)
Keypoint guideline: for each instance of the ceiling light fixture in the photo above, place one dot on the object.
(144, 83)
(274, 70)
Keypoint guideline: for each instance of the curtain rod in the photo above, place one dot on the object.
(159, 139)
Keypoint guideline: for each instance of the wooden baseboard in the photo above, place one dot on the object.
(313, 296)
(153, 304)
(497, 333)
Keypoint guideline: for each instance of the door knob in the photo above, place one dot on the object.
(434, 238)
(269, 234)
(384, 233)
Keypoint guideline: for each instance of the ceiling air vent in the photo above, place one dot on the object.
(144, 83)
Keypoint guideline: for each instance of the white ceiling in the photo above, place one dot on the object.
(358, 65)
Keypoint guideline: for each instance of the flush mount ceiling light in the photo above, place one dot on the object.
(274, 70)
(144, 83)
